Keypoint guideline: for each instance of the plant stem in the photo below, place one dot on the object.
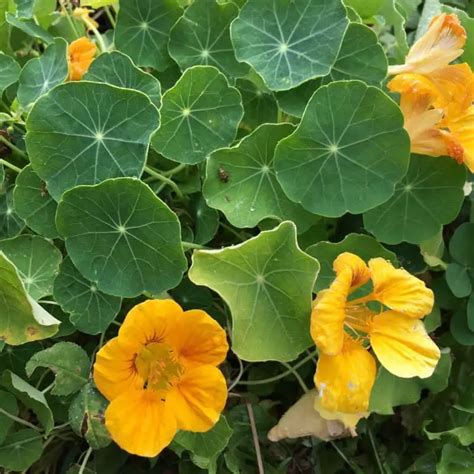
(239, 375)
(164, 179)
(377, 457)
(110, 16)
(12, 146)
(69, 19)
(256, 442)
(10, 166)
(297, 376)
(191, 245)
(343, 456)
(48, 388)
(174, 170)
(85, 461)
(19, 420)
(282, 375)
(103, 47)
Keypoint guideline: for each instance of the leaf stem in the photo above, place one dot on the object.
(376, 453)
(191, 245)
(12, 146)
(48, 388)
(19, 420)
(297, 376)
(256, 442)
(164, 179)
(309, 357)
(110, 16)
(10, 166)
(69, 19)
(174, 170)
(85, 461)
(343, 456)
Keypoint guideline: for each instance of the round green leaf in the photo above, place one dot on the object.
(91, 310)
(142, 31)
(267, 283)
(455, 461)
(199, 114)
(70, 365)
(202, 36)
(33, 203)
(241, 181)
(294, 101)
(429, 196)
(37, 261)
(289, 43)
(23, 320)
(120, 235)
(9, 71)
(21, 449)
(348, 152)
(364, 246)
(7, 403)
(118, 69)
(30, 27)
(86, 415)
(361, 57)
(39, 75)
(85, 132)
(10, 222)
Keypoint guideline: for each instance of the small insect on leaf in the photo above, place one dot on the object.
(223, 175)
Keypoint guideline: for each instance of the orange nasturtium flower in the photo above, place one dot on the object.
(436, 97)
(81, 53)
(343, 328)
(160, 375)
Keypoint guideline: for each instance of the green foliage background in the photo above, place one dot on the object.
(221, 153)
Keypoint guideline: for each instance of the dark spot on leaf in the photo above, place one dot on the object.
(32, 331)
(84, 426)
(223, 175)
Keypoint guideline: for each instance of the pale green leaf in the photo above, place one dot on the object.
(9, 71)
(21, 449)
(30, 27)
(267, 283)
(37, 261)
(22, 320)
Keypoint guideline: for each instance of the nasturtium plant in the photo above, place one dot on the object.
(236, 236)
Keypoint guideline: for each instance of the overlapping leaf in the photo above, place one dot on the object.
(348, 152)
(289, 43)
(120, 235)
(85, 132)
(199, 114)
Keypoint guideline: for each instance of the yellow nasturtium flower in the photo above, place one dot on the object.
(160, 375)
(81, 53)
(436, 97)
(440, 45)
(344, 329)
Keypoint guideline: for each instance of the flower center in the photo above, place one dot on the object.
(158, 366)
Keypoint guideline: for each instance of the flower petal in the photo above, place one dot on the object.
(441, 44)
(140, 422)
(114, 369)
(399, 290)
(199, 398)
(461, 139)
(358, 268)
(327, 317)
(345, 380)
(199, 338)
(403, 346)
(81, 53)
(150, 321)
